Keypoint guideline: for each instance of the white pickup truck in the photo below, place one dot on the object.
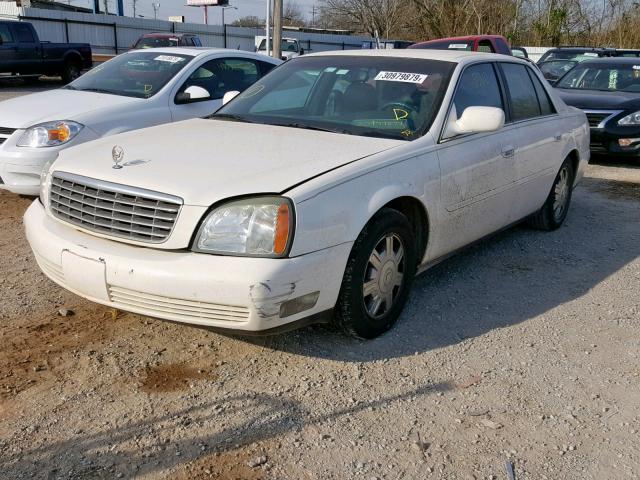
(290, 47)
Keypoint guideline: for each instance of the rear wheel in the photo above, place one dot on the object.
(555, 208)
(378, 277)
(71, 71)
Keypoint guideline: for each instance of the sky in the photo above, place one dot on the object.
(195, 14)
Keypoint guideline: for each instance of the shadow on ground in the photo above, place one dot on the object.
(508, 279)
(106, 453)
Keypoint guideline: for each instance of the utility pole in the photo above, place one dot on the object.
(313, 15)
(267, 28)
(134, 3)
(156, 7)
(277, 28)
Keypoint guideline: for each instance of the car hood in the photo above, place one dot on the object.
(59, 104)
(598, 100)
(204, 161)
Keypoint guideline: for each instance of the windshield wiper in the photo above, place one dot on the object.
(98, 90)
(310, 127)
(229, 116)
(69, 87)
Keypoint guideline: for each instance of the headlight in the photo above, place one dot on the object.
(45, 182)
(49, 134)
(261, 226)
(633, 119)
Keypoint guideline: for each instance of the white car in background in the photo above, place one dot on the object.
(317, 193)
(289, 47)
(137, 89)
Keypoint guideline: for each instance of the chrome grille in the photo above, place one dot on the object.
(5, 133)
(597, 118)
(113, 209)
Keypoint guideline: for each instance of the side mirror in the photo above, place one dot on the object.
(302, 51)
(0, 40)
(192, 94)
(474, 120)
(229, 96)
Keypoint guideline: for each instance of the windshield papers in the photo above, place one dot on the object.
(401, 77)
(169, 58)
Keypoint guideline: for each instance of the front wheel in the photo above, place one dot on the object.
(555, 208)
(378, 276)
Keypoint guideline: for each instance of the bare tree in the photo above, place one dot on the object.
(293, 15)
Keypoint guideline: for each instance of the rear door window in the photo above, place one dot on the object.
(524, 101)
(546, 107)
(5, 34)
(24, 34)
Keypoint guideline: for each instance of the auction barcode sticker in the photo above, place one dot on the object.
(401, 77)
(169, 58)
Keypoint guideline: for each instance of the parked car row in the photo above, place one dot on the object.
(556, 62)
(137, 89)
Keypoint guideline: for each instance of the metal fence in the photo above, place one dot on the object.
(110, 34)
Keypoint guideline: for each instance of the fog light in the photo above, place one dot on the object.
(300, 304)
(627, 142)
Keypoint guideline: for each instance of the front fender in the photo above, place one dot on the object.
(338, 214)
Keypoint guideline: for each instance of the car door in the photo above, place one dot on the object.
(217, 76)
(478, 170)
(28, 54)
(539, 129)
(8, 50)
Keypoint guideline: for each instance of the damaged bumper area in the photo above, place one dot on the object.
(233, 293)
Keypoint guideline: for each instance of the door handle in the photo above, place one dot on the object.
(557, 138)
(508, 151)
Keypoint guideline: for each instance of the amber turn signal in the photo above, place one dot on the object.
(281, 237)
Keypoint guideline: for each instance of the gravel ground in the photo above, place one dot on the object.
(523, 349)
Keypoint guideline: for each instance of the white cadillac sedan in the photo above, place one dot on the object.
(318, 193)
(134, 90)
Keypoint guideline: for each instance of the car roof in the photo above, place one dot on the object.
(466, 38)
(165, 35)
(454, 56)
(197, 51)
(582, 49)
(613, 60)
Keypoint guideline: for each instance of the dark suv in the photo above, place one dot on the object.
(154, 40)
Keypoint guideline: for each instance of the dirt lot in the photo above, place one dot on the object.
(523, 349)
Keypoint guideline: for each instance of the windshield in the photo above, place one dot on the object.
(285, 45)
(137, 74)
(157, 42)
(371, 96)
(556, 68)
(607, 77)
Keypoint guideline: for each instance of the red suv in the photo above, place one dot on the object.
(472, 43)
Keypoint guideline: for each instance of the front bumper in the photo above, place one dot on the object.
(20, 170)
(236, 293)
(20, 167)
(605, 141)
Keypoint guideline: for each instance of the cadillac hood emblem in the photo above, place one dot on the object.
(117, 153)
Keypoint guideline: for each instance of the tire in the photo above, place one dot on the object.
(554, 211)
(368, 315)
(71, 71)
